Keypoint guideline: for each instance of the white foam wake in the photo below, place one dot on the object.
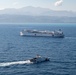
(15, 63)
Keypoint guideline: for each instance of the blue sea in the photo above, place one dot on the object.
(15, 50)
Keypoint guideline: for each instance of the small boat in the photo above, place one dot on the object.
(55, 34)
(39, 59)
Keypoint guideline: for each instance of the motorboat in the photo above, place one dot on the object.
(39, 59)
(37, 33)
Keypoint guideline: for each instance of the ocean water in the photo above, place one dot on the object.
(16, 50)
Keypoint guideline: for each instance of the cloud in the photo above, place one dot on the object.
(2, 8)
(58, 3)
(15, 3)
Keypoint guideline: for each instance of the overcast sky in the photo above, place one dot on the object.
(69, 5)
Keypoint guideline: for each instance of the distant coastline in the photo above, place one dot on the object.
(36, 15)
(35, 19)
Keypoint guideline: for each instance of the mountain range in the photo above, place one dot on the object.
(31, 14)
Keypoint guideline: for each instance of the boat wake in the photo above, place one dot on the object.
(15, 63)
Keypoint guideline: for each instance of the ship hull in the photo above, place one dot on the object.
(40, 35)
(36, 33)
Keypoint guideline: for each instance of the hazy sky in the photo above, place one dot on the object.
(52, 4)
